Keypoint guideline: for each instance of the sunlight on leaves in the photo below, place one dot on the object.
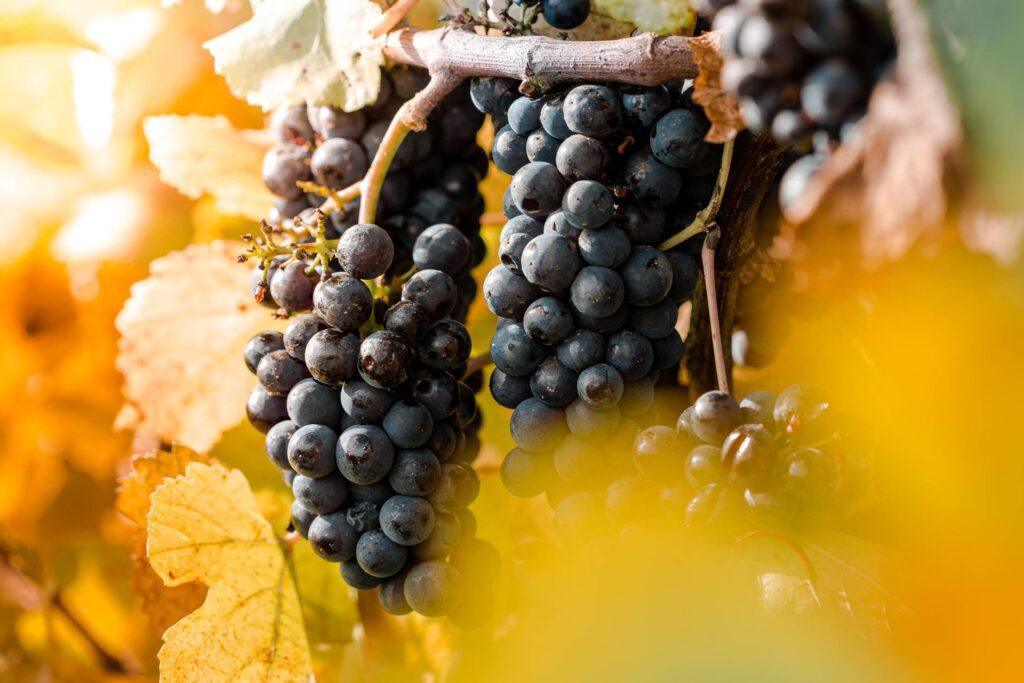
(180, 353)
(201, 155)
(294, 51)
(660, 16)
(205, 526)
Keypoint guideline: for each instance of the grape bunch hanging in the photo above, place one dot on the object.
(587, 302)
(362, 397)
(804, 70)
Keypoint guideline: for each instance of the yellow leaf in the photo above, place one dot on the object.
(205, 526)
(659, 16)
(180, 353)
(162, 604)
(199, 155)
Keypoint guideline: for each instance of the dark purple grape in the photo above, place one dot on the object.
(365, 251)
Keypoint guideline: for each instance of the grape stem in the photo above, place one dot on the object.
(707, 254)
(477, 363)
(392, 17)
(707, 214)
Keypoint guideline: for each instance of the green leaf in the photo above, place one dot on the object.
(294, 51)
(660, 16)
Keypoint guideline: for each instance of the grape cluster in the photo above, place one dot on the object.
(432, 180)
(587, 303)
(803, 69)
(360, 397)
(769, 460)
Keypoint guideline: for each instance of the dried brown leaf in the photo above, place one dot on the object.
(182, 334)
(891, 179)
(722, 108)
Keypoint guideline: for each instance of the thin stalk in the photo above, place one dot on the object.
(371, 184)
(707, 214)
(707, 254)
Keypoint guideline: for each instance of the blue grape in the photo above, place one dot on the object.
(331, 356)
(338, 163)
(536, 426)
(583, 158)
(643, 224)
(298, 333)
(651, 182)
(311, 450)
(376, 493)
(557, 224)
(630, 353)
(343, 301)
(264, 410)
(364, 515)
(588, 204)
(548, 320)
(507, 390)
(301, 519)
(537, 189)
(514, 352)
(685, 274)
(384, 360)
(458, 488)
(437, 392)
(552, 118)
(668, 351)
(524, 115)
(492, 95)
(551, 262)
(278, 372)
(406, 318)
(433, 588)
(433, 290)
(323, 495)
(416, 472)
(407, 520)
(392, 596)
(332, 122)
(600, 386)
(443, 539)
(609, 247)
(444, 441)
(654, 321)
(553, 383)
(441, 247)
(408, 424)
(365, 251)
(284, 166)
(292, 288)
(332, 538)
(542, 147)
(647, 276)
(509, 151)
(364, 454)
(581, 349)
(592, 110)
(644, 107)
(364, 402)
(446, 345)
(715, 414)
(677, 140)
(276, 443)
(378, 555)
(597, 292)
(508, 294)
(354, 576)
(312, 403)
(259, 346)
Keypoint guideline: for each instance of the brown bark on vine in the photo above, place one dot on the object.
(755, 163)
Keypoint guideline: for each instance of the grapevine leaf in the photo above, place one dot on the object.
(295, 51)
(205, 526)
(199, 155)
(163, 605)
(891, 178)
(659, 16)
(182, 334)
(721, 107)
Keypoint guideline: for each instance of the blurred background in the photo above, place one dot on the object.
(928, 348)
